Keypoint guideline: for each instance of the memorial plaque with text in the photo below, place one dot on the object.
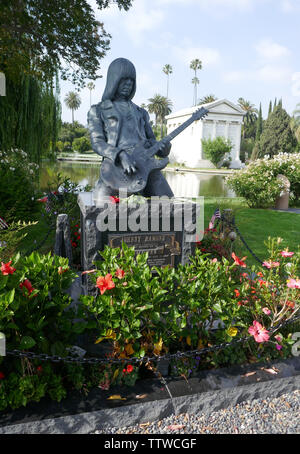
(162, 248)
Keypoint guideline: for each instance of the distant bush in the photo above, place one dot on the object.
(258, 184)
(216, 149)
(82, 144)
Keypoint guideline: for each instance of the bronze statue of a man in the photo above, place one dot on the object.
(118, 128)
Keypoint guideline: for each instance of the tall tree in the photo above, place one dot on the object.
(40, 37)
(30, 116)
(160, 106)
(206, 99)
(167, 69)
(277, 136)
(259, 124)
(91, 86)
(72, 101)
(270, 108)
(195, 65)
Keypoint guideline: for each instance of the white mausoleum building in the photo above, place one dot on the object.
(224, 119)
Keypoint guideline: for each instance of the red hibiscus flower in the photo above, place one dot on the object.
(120, 273)
(238, 261)
(7, 269)
(62, 270)
(2, 375)
(27, 285)
(105, 283)
(114, 199)
(128, 370)
(237, 293)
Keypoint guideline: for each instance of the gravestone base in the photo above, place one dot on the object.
(163, 229)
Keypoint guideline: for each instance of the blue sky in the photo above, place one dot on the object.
(248, 48)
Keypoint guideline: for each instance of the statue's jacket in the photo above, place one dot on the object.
(104, 122)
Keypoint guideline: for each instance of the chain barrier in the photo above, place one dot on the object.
(232, 224)
(144, 359)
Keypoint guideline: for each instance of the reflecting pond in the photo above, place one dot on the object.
(183, 184)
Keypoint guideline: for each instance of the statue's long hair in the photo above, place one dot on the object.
(117, 70)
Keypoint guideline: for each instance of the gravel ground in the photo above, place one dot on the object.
(260, 416)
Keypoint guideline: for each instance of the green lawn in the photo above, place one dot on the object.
(254, 224)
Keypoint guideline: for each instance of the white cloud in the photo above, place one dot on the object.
(268, 73)
(296, 84)
(270, 50)
(211, 4)
(207, 55)
(289, 6)
(140, 19)
(273, 73)
(234, 76)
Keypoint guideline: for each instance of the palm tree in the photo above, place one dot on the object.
(206, 99)
(250, 109)
(167, 69)
(250, 115)
(72, 101)
(160, 106)
(195, 65)
(91, 86)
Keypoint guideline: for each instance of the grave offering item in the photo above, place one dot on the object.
(282, 202)
(122, 135)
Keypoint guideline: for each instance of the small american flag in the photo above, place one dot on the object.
(217, 214)
(3, 224)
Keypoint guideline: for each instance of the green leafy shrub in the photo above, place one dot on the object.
(142, 312)
(217, 149)
(17, 186)
(258, 184)
(35, 315)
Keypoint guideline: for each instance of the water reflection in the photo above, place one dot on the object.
(183, 184)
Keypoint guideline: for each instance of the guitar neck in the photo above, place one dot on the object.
(179, 129)
(196, 116)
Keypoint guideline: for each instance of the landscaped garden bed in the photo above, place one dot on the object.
(199, 306)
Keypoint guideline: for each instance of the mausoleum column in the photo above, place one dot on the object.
(227, 130)
(238, 141)
(214, 131)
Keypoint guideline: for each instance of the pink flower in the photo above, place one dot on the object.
(214, 260)
(279, 347)
(266, 311)
(271, 264)
(43, 200)
(286, 253)
(120, 273)
(259, 332)
(293, 283)
(278, 338)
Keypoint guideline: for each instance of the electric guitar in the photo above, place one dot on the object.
(145, 162)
